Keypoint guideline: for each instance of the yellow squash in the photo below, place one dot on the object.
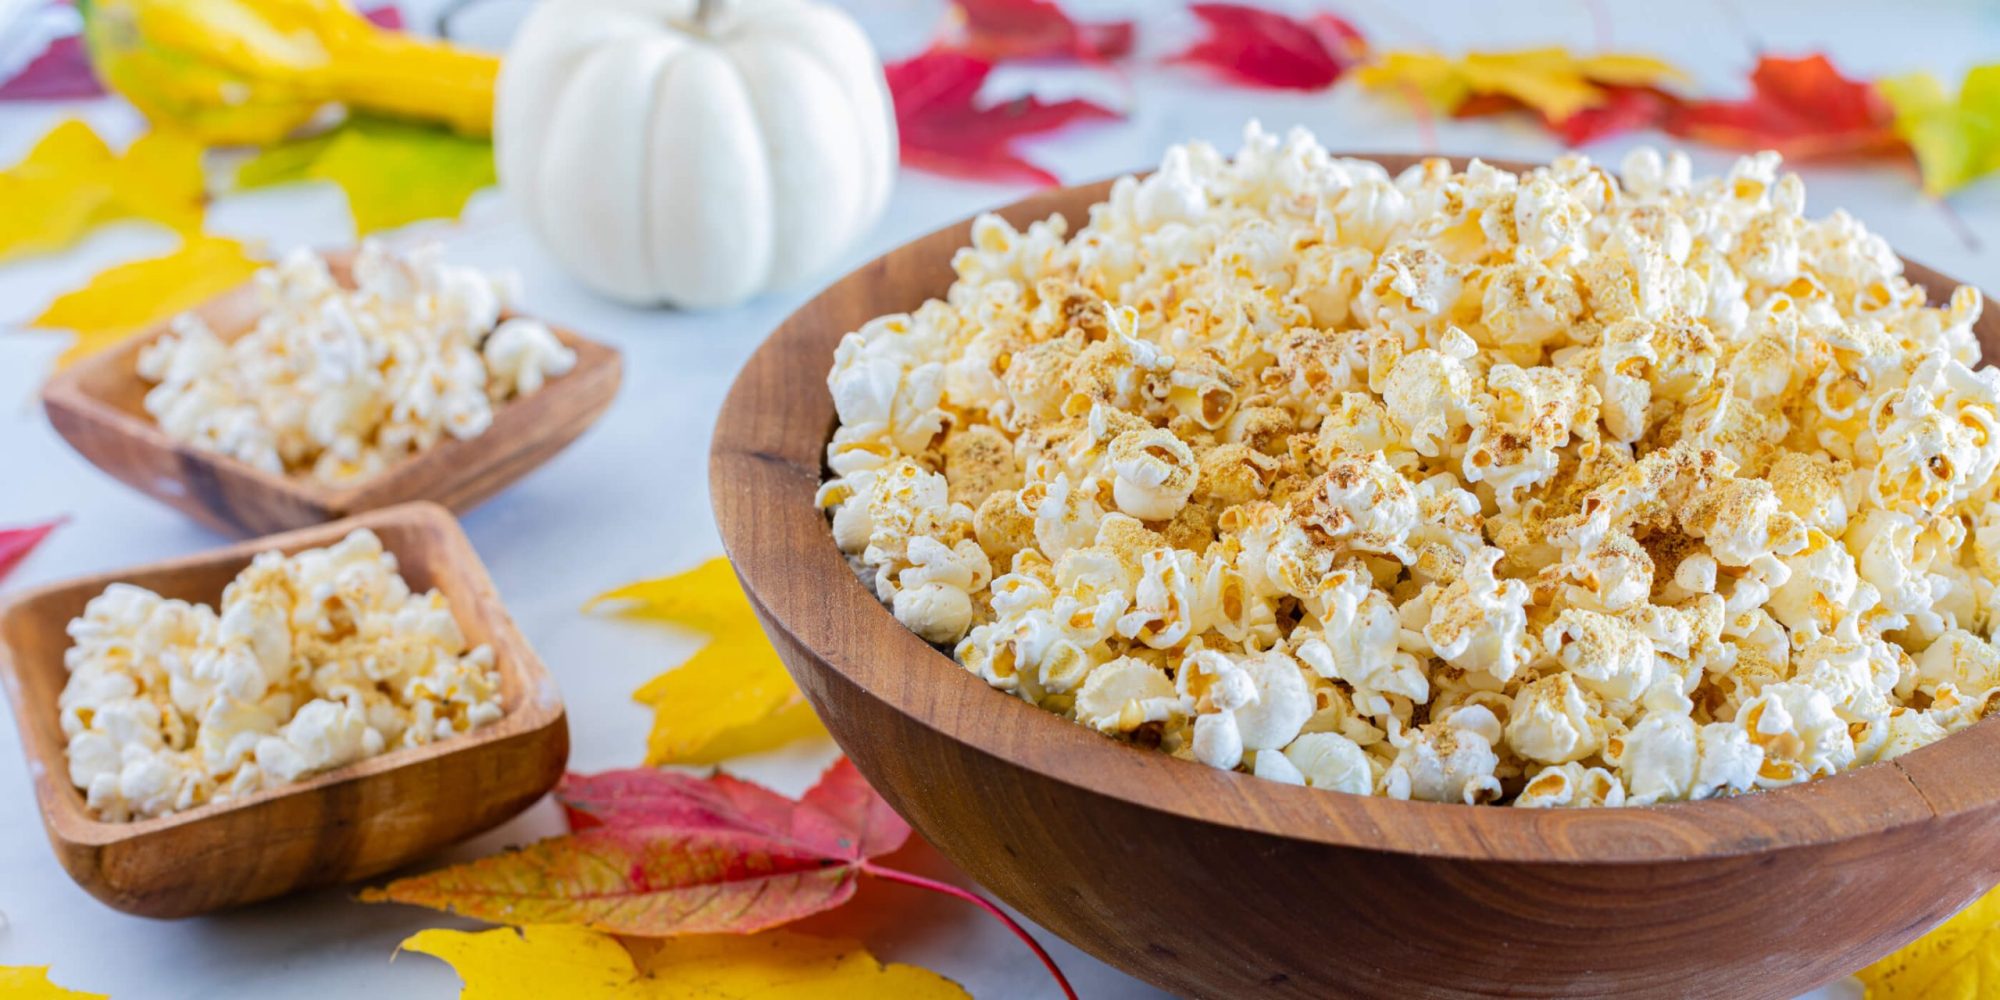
(252, 71)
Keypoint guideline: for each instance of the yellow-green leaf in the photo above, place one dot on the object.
(394, 173)
(1956, 139)
(71, 182)
(733, 696)
(128, 298)
(540, 961)
(31, 982)
(1550, 80)
(1960, 960)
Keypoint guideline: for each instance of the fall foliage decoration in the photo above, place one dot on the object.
(945, 128)
(251, 72)
(16, 543)
(61, 72)
(659, 854)
(394, 172)
(71, 182)
(31, 982)
(552, 960)
(733, 696)
(1956, 140)
(1804, 108)
(1000, 30)
(1961, 958)
(1263, 48)
(131, 297)
(1579, 97)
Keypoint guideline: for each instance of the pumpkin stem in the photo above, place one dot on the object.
(705, 11)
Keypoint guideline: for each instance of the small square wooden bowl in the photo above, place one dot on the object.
(98, 406)
(345, 824)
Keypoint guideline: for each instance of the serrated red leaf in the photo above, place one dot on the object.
(1625, 109)
(1267, 49)
(1804, 108)
(16, 543)
(387, 16)
(999, 30)
(658, 853)
(62, 72)
(945, 129)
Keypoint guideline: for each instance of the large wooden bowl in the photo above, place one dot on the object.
(1211, 883)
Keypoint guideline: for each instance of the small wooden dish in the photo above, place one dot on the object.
(98, 406)
(1216, 884)
(345, 824)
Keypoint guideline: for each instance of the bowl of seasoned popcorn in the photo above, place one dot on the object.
(1411, 576)
(293, 711)
(332, 384)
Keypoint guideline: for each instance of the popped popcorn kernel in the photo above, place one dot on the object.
(308, 663)
(340, 384)
(1556, 489)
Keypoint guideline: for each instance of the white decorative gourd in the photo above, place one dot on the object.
(694, 152)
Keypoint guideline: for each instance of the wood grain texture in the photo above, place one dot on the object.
(345, 824)
(1217, 884)
(98, 406)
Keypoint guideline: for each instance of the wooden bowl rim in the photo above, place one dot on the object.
(541, 705)
(120, 362)
(766, 462)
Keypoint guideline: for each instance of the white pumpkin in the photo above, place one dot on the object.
(694, 152)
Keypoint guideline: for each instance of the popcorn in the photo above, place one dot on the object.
(314, 661)
(340, 384)
(1457, 486)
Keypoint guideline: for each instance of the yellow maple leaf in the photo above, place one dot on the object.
(1960, 960)
(1550, 80)
(31, 982)
(545, 960)
(733, 696)
(131, 297)
(71, 182)
(1956, 138)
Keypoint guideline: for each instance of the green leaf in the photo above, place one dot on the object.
(394, 173)
(1957, 140)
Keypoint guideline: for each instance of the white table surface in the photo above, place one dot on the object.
(629, 499)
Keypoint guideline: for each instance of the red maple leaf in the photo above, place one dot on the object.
(945, 129)
(1625, 109)
(16, 543)
(62, 72)
(657, 854)
(999, 30)
(1803, 108)
(1267, 49)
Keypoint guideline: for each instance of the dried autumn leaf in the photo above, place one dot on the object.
(1614, 89)
(61, 72)
(31, 982)
(684, 856)
(1956, 139)
(1958, 960)
(555, 961)
(16, 543)
(71, 182)
(1803, 108)
(733, 696)
(131, 297)
(394, 173)
(1266, 49)
(999, 30)
(944, 128)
